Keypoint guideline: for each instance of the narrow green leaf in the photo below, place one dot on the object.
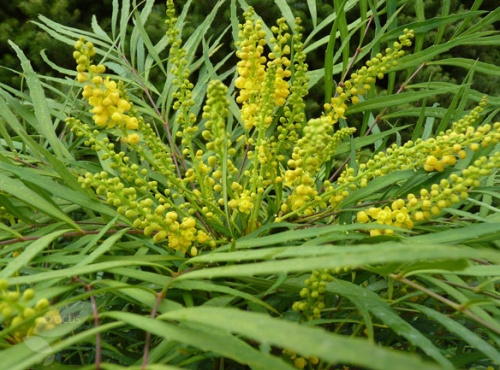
(209, 287)
(397, 99)
(388, 316)
(320, 257)
(114, 18)
(40, 105)
(104, 247)
(58, 190)
(75, 271)
(140, 31)
(329, 55)
(307, 341)
(325, 24)
(98, 30)
(459, 235)
(194, 41)
(19, 190)
(467, 64)
(26, 355)
(124, 21)
(207, 338)
(29, 252)
(311, 4)
(362, 141)
(462, 297)
(376, 185)
(424, 26)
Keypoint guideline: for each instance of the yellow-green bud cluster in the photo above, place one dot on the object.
(433, 154)
(294, 112)
(183, 96)
(215, 112)
(21, 317)
(313, 295)
(361, 81)
(303, 199)
(300, 362)
(430, 203)
(83, 54)
(154, 218)
(317, 144)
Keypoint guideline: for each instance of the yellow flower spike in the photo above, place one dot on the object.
(104, 95)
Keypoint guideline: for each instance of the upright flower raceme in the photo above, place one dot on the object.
(320, 140)
(110, 108)
(262, 78)
(361, 81)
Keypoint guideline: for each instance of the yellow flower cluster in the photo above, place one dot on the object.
(430, 203)
(280, 62)
(109, 106)
(243, 201)
(251, 67)
(396, 215)
(23, 319)
(304, 198)
(262, 83)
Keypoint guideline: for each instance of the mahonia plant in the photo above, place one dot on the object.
(218, 178)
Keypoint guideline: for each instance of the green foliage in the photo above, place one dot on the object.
(135, 214)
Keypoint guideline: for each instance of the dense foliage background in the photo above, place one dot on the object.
(16, 25)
